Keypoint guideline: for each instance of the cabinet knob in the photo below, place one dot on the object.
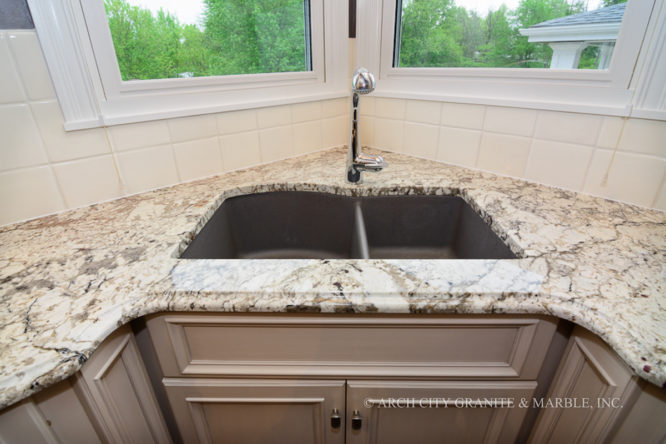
(335, 419)
(357, 420)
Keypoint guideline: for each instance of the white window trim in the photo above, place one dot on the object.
(78, 49)
(608, 92)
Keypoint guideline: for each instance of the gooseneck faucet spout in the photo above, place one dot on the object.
(363, 82)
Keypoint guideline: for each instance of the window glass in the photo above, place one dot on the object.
(158, 39)
(559, 34)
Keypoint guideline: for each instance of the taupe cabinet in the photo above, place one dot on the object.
(331, 379)
(109, 401)
(200, 378)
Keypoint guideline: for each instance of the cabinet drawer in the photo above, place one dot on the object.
(351, 346)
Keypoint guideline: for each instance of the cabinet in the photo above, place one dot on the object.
(435, 411)
(334, 379)
(285, 378)
(257, 411)
(109, 401)
(591, 371)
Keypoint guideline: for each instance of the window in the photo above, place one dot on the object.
(159, 39)
(445, 50)
(556, 34)
(121, 61)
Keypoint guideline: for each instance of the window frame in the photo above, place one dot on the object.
(79, 51)
(588, 91)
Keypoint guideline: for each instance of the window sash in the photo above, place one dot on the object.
(81, 57)
(594, 91)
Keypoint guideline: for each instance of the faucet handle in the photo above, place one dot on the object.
(368, 162)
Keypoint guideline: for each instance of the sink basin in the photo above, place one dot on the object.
(307, 225)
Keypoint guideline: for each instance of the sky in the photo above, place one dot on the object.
(189, 11)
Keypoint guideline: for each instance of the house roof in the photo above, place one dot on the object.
(610, 14)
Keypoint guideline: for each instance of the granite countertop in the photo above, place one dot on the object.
(67, 281)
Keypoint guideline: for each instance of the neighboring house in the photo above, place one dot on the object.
(570, 35)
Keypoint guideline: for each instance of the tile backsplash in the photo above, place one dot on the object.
(44, 169)
(612, 157)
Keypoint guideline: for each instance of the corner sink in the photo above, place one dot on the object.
(309, 225)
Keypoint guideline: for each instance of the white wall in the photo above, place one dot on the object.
(44, 169)
(599, 155)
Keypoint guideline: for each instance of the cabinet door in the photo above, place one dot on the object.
(435, 411)
(115, 385)
(590, 371)
(257, 410)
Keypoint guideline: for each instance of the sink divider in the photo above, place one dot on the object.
(360, 248)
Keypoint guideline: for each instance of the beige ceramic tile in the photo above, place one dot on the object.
(462, 115)
(198, 158)
(148, 168)
(335, 107)
(503, 154)
(20, 144)
(237, 121)
(28, 193)
(307, 137)
(421, 140)
(387, 108)
(560, 164)
(459, 146)
(514, 121)
(191, 128)
(366, 106)
(31, 65)
(660, 202)
(581, 129)
(274, 116)
(367, 131)
(335, 132)
(240, 150)
(64, 145)
(644, 136)
(632, 178)
(87, 181)
(304, 112)
(10, 84)
(276, 143)
(423, 111)
(389, 134)
(609, 135)
(138, 135)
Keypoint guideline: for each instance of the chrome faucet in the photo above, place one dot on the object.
(362, 83)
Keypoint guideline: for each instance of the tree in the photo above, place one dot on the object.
(428, 34)
(255, 36)
(498, 50)
(531, 12)
(606, 3)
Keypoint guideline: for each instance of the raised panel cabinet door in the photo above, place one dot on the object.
(258, 411)
(591, 373)
(423, 412)
(115, 384)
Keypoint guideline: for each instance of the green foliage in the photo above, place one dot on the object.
(263, 36)
(255, 36)
(606, 3)
(237, 37)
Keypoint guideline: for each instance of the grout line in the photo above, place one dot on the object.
(659, 189)
(116, 162)
(604, 180)
(482, 132)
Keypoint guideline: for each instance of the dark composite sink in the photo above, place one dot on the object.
(302, 225)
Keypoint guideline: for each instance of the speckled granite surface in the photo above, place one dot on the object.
(67, 281)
